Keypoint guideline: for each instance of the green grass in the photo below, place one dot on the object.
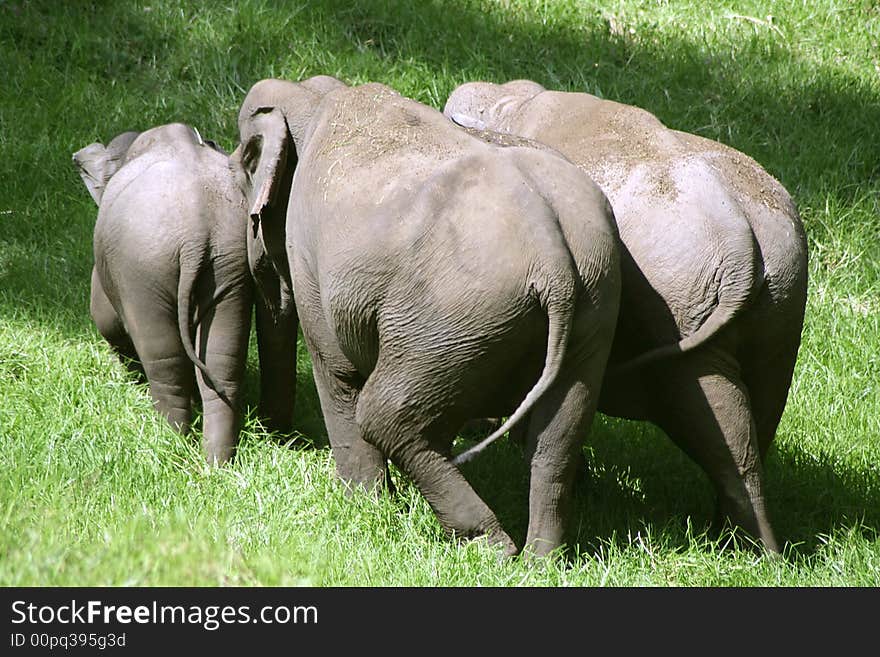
(97, 490)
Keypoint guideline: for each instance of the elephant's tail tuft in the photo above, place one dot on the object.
(185, 289)
(560, 310)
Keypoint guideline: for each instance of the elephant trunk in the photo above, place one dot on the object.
(276, 344)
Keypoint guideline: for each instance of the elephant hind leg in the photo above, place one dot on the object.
(222, 343)
(169, 371)
(768, 377)
(358, 463)
(390, 420)
(558, 427)
(705, 408)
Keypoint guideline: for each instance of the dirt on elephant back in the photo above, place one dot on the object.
(749, 179)
(372, 120)
(355, 118)
(612, 140)
(615, 138)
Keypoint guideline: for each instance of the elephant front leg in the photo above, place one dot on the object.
(276, 342)
(357, 462)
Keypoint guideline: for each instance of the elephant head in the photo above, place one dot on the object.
(272, 121)
(482, 104)
(97, 163)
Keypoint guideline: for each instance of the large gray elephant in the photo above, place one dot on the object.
(714, 266)
(171, 287)
(437, 278)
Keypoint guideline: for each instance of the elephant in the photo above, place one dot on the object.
(171, 287)
(420, 259)
(714, 268)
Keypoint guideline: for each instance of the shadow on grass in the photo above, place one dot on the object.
(638, 483)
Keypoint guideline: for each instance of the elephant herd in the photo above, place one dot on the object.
(526, 254)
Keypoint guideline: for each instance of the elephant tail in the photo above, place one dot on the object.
(735, 298)
(720, 317)
(560, 311)
(185, 288)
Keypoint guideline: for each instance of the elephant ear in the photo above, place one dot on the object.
(91, 162)
(97, 163)
(466, 121)
(264, 158)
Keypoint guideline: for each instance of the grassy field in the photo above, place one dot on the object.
(97, 490)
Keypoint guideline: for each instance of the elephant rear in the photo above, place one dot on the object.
(169, 246)
(509, 308)
(436, 278)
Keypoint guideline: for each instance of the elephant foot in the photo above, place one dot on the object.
(372, 480)
(217, 455)
(499, 538)
(219, 438)
(760, 539)
(275, 420)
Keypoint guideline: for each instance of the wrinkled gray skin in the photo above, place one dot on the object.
(171, 286)
(714, 271)
(421, 258)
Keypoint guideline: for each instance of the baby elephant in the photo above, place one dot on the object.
(171, 286)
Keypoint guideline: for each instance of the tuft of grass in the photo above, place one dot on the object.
(98, 491)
